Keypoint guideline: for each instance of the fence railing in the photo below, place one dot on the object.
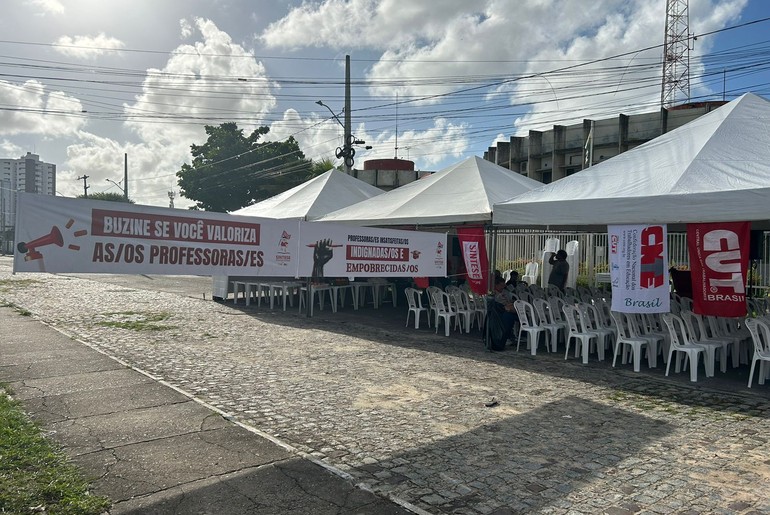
(513, 249)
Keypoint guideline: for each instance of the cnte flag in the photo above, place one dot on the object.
(639, 268)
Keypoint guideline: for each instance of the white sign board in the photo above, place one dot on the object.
(57, 235)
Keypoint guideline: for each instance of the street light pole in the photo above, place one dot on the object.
(346, 152)
(118, 185)
(348, 128)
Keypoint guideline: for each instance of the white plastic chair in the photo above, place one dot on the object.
(628, 341)
(530, 272)
(479, 305)
(595, 324)
(444, 310)
(760, 336)
(529, 324)
(414, 300)
(573, 259)
(462, 308)
(431, 291)
(553, 327)
(552, 245)
(577, 331)
(696, 328)
(681, 345)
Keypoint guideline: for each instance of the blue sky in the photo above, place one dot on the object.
(84, 81)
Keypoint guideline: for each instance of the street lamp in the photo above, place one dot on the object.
(346, 152)
(118, 185)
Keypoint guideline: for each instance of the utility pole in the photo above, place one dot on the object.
(125, 176)
(85, 185)
(348, 128)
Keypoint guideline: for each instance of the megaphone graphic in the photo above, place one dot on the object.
(30, 248)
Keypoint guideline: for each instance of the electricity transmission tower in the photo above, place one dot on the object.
(676, 54)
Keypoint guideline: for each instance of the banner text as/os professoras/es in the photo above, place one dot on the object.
(59, 235)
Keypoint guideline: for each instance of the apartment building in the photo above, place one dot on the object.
(553, 154)
(28, 174)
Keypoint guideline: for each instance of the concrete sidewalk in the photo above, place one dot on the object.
(152, 449)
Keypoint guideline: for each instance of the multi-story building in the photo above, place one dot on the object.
(553, 154)
(28, 174)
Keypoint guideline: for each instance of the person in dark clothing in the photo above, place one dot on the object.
(560, 270)
(505, 308)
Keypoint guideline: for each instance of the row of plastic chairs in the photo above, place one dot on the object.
(681, 337)
(451, 305)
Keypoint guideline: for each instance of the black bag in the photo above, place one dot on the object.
(494, 329)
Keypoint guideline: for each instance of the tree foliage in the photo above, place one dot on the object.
(107, 195)
(231, 170)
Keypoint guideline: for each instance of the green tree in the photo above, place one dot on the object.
(107, 195)
(231, 170)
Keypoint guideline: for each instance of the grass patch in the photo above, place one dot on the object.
(34, 475)
(137, 321)
(8, 284)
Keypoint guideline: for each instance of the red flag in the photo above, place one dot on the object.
(474, 250)
(719, 259)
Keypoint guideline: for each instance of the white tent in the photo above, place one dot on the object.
(461, 193)
(713, 169)
(328, 192)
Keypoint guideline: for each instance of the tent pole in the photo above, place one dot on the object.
(493, 251)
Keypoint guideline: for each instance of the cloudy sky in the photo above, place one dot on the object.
(83, 82)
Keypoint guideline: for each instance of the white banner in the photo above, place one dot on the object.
(335, 250)
(58, 235)
(639, 268)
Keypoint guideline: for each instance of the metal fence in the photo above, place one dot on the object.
(514, 248)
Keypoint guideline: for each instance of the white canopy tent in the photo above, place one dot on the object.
(715, 168)
(328, 192)
(461, 193)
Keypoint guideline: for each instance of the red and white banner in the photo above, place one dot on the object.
(336, 250)
(639, 268)
(474, 249)
(56, 234)
(719, 259)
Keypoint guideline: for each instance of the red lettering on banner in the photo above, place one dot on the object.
(472, 243)
(653, 267)
(719, 262)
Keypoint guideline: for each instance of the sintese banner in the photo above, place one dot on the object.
(336, 250)
(639, 268)
(474, 250)
(719, 260)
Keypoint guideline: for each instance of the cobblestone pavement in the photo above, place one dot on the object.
(405, 412)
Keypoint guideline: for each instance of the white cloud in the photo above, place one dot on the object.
(151, 168)
(47, 6)
(199, 84)
(499, 54)
(35, 110)
(10, 149)
(87, 47)
(210, 81)
(185, 29)
(319, 139)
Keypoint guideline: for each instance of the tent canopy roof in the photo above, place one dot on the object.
(715, 168)
(461, 193)
(327, 192)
